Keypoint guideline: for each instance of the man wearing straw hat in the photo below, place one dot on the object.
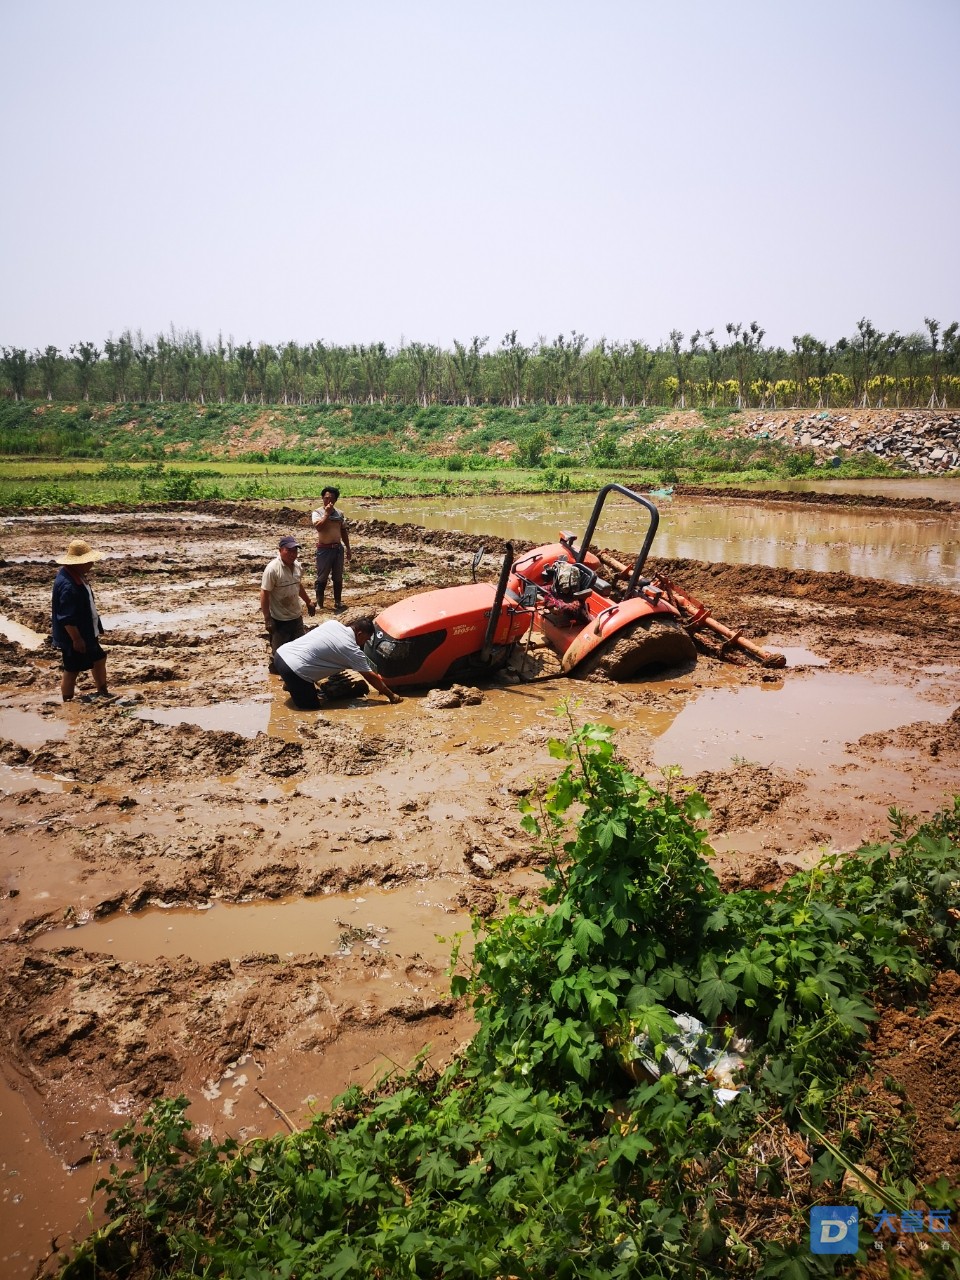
(76, 624)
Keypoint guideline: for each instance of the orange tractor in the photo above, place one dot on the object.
(621, 626)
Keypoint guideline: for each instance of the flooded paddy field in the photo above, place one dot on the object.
(204, 890)
(859, 534)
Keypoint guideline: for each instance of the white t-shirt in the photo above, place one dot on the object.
(322, 652)
(283, 583)
(97, 624)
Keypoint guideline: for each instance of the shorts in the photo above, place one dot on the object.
(73, 661)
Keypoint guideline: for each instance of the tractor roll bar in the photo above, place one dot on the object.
(647, 542)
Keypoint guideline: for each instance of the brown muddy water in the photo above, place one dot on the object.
(872, 542)
(40, 1195)
(799, 722)
(940, 488)
(794, 724)
(416, 916)
(26, 637)
(29, 728)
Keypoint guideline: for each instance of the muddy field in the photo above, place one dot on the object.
(203, 890)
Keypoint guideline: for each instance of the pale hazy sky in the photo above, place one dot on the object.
(422, 170)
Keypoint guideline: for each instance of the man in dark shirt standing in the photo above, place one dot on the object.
(76, 624)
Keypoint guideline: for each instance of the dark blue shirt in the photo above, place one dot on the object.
(71, 605)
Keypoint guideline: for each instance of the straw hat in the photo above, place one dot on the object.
(80, 552)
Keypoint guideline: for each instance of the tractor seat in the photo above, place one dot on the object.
(571, 580)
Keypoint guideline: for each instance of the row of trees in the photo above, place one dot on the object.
(730, 370)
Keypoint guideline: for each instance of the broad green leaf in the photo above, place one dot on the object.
(715, 994)
(586, 932)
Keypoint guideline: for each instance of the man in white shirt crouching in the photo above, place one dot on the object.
(333, 646)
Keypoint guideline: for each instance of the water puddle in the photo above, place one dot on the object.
(502, 714)
(405, 920)
(792, 724)
(231, 1083)
(195, 584)
(943, 488)
(182, 517)
(38, 1194)
(23, 636)
(28, 729)
(246, 718)
(163, 619)
(798, 657)
(13, 780)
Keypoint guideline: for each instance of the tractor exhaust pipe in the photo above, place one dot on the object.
(505, 568)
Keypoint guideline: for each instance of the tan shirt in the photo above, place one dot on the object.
(283, 583)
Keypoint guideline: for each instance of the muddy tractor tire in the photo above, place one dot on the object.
(651, 644)
(341, 685)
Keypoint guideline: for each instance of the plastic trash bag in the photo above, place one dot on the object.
(696, 1051)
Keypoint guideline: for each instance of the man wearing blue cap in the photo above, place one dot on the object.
(281, 591)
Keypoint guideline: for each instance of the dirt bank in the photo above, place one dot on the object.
(208, 789)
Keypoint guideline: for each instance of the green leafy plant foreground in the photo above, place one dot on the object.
(547, 1149)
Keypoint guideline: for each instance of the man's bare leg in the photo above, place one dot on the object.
(99, 673)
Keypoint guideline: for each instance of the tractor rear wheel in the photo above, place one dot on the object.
(648, 645)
